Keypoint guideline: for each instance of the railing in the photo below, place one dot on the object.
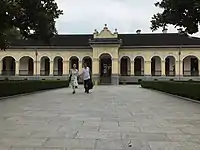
(44, 72)
(170, 73)
(25, 72)
(139, 73)
(190, 73)
(8, 72)
(156, 73)
(57, 72)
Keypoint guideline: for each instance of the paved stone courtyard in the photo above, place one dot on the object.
(109, 118)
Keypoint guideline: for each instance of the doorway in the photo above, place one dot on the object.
(105, 69)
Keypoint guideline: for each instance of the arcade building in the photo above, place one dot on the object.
(112, 57)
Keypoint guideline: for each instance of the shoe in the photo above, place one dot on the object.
(87, 92)
(73, 92)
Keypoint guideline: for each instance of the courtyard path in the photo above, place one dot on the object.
(109, 118)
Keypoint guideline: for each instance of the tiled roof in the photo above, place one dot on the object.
(83, 40)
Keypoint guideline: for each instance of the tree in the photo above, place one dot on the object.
(33, 18)
(181, 13)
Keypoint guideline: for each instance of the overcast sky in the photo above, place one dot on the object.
(83, 16)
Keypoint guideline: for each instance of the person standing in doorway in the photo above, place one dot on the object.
(86, 77)
(74, 75)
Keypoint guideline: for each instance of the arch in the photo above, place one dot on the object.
(139, 66)
(190, 66)
(170, 66)
(58, 66)
(125, 66)
(73, 56)
(45, 66)
(171, 55)
(88, 61)
(73, 60)
(156, 66)
(125, 56)
(105, 68)
(8, 66)
(105, 54)
(26, 66)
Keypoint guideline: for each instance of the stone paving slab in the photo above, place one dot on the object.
(109, 118)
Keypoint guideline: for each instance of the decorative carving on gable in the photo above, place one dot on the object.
(105, 33)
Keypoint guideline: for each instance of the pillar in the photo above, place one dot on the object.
(132, 68)
(95, 70)
(115, 71)
(179, 66)
(119, 67)
(36, 68)
(95, 66)
(80, 65)
(66, 68)
(147, 68)
(16, 67)
(163, 68)
(1, 67)
(51, 68)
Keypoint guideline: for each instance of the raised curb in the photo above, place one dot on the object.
(180, 97)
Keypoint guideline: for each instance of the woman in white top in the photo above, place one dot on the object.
(74, 74)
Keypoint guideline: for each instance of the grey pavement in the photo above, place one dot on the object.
(110, 118)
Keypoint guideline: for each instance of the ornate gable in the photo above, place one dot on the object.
(105, 33)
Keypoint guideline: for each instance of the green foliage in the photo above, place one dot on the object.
(9, 88)
(34, 19)
(181, 13)
(181, 88)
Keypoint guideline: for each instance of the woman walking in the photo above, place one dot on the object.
(73, 75)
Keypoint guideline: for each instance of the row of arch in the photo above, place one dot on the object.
(190, 66)
(26, 65)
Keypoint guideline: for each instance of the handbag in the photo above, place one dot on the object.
(90, 84)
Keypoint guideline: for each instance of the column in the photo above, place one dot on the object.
(119, 66)
(115, 71)
(147, 68)
(115, 66)
(66, 67)
(179, 68)
(51, 68)
(1, 67)
(163, 68)
(36, 68)
(198, 67)
(95, 66)
(16, 67)
(80, 65)
(132, 68)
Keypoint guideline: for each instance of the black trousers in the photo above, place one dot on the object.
(86, 85)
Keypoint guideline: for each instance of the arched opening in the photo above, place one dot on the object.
(8, 67)
(26, 66)
(88, 61)
(125, 66)
(58, 66)
(105, 68)
(190, 66)
(156, 66)
(139, 66)
(45, 66)
(170, 66)
(73, 60)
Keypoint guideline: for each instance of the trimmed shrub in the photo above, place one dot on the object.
(9, 88)
(185, 89)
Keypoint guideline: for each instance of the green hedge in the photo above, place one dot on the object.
(9, 88)
(185, 89)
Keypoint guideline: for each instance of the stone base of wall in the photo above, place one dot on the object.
(115, 79)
